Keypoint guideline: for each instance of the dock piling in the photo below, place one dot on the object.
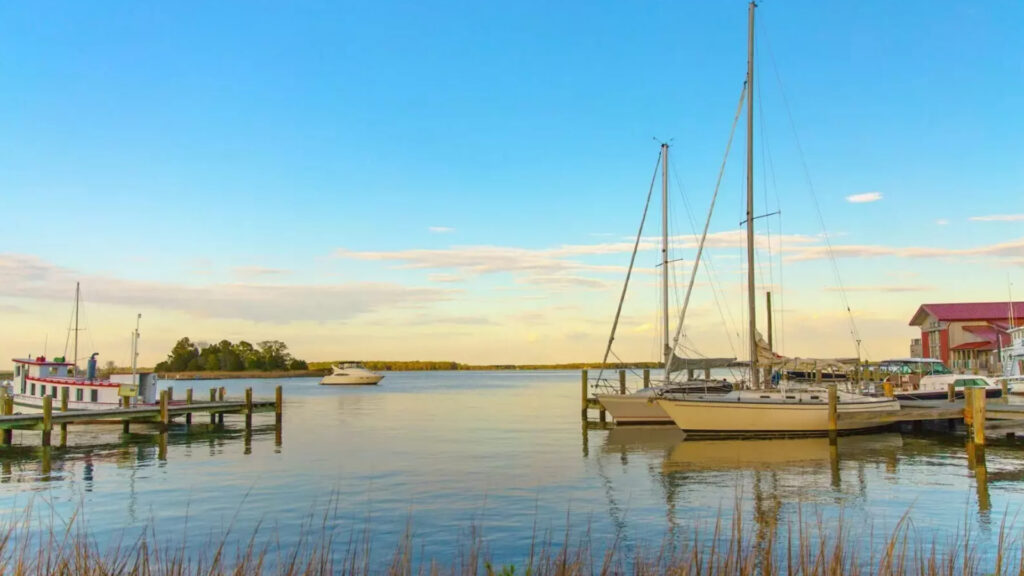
(583, 394)
(1006, 392)
(647, 377)
(888, 387)
(188, 400)
(278, 405)
(165, 419)
(47, 419)
(7, 408)
(221, 393)
(248, 408)
(978, 409)
(63, 408)
(622, 382)
(833, 412)
(213, 398)
(951, 392)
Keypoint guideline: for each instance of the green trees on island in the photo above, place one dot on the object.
(268, 355)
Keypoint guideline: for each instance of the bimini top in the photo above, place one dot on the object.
(41, 361)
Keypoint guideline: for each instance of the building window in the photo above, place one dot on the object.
(78, 394)
(94, 395)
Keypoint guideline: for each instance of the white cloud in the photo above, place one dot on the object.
(865, 197)
(881, 288)
(25, 276)
(942, 222)
(441, 229)
(999, 218)
(257, 271)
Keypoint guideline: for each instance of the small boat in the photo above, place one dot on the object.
(350, 373)
(929, 379)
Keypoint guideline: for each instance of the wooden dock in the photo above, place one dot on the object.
(160, 414)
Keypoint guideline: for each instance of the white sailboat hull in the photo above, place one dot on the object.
(634, 409)
(746, 412)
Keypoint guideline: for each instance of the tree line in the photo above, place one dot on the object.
(268, 355)
(411, 365)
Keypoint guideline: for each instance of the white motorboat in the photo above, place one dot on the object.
(929, 379)
(351, 373)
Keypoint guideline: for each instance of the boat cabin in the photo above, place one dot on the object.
(36, 378)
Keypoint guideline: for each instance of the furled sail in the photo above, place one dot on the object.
(678, 363)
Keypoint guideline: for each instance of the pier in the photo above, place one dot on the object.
(160, 414)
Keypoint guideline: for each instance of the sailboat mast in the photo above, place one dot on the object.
(74, 359)
(664, 257)
(752, 305)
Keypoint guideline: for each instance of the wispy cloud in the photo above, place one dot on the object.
(881, 288)
(441, 229)
(864, 198)
(258, 271)
(1010, 250)
(999, 218)
(25, 276)
(941, 222)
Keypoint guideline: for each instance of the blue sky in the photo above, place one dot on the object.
(182, 156)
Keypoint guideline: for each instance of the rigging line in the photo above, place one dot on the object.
(854, 332)
(764, 190)
(707, 222)
(632, 259)
(67, 338)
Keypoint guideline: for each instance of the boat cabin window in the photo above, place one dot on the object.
(53, 391)
(78, 394)
(94, 395)
(33, 390)
(53, 370)
(42, 389)
(17, 370)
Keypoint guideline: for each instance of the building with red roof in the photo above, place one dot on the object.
(968, 337)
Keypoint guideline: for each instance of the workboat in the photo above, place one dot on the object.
(37, 377)
(929, 379)
(350, 373)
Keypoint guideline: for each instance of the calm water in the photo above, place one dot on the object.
(505, 451)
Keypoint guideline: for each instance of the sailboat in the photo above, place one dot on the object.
(759, 410)
(639, 407)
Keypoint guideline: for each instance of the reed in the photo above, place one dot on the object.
(814, 547)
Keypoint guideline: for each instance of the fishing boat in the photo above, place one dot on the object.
(350, 373)
(760, 410)
(36, 377)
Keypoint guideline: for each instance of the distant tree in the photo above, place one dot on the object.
(275, 355)
(182, 355)
(212, 362)
(108, 368)
(193, 365)
(297, 364)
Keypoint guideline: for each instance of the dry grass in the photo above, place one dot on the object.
(806, 547)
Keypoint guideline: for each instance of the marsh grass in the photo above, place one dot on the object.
(727, 546)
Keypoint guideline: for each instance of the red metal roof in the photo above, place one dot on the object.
(975, 346)
(969, 311)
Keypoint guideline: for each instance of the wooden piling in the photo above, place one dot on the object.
(278, 405)
(63, 408)
(165, 418)
(188, 400)
(248, 408)
(968, 407)
(817, 377)
(707, 373)
(221, 393)
(213, 398)
(951, 392)
(833, 412)
(888, 387)
(622, 382)
(583, 394)
(47, 418)
(1005, 397)
(8, 409)
(647, 377)
(978, 408)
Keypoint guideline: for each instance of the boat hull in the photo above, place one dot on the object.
(634, 409)
(716, 417)
(943, 394)
(351, 380)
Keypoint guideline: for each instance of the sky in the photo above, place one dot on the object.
(464, 181)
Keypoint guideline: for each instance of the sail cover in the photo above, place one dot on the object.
(766, 358)
(678, 363)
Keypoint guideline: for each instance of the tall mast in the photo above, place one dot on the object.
(750, 200)
(74, 360)
(664, 257)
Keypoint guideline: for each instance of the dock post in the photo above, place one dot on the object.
(647, 377)
(164, 416)
(833, 412)
(951, 392)
(63, 408)
(707, 373)
(888, 387)
(968, 408)
(583, 394)
(817, 377)
(47, 418)
(248, 408)
(213, 398)
(8, 409)
(188, 400)
(978, 407)
(278, 405)
(622, 382)
(221, 394)
(1005, 397)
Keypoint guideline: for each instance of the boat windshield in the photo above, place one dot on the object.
(923, 367)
